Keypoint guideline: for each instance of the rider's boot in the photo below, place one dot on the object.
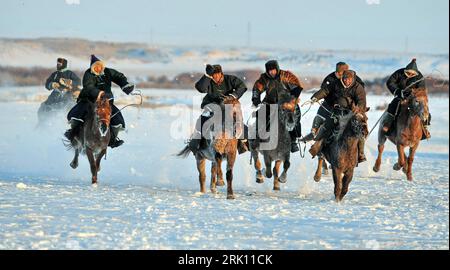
(387, 123)
(114, 140)
(317, 146)
(75, 128)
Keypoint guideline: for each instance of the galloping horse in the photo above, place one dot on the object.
(222, 145)
(94, 136)
(407, 131)
(285, 114)
(342, 151)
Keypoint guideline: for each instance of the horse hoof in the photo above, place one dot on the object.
(282, 179)
(214, 191)
(267, 173)
(409, 177)
(325, 172)
(396, 167)
(74, 165)
(220, 183)
(230, 197)
(376, 169)
(276, 188)
(317, 178)
(259, 180)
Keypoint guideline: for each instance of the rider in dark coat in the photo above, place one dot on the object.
(63, 82)
(327, 86)
(342, 95)
(397, 82)
(217, 87)
(274, 82)
(99, 78)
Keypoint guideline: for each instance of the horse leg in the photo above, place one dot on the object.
(99, 159)
(276, 171)
(259, 174)
(283, 176)
(213, 177)
(412, 152)
(201, 174)
(220, 181)
(324, 167)
(376, 167)
(268, 168)
(401, 157)
(231, 158)
(381, 141)
(93, 164)
(318, 173)
(337, 179)
(348, 176)
(74, 163)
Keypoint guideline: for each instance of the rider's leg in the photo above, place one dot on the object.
(392, 111)
(117, 124)
(76, 118)
(297, 132)
(322, 133)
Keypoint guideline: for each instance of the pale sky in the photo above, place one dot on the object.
(385, 25)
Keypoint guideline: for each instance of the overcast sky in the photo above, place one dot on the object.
(397, 25)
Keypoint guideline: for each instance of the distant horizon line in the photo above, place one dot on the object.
(223, 47)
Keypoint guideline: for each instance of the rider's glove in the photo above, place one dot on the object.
(128, 88)
(399, 93)
(55, 85)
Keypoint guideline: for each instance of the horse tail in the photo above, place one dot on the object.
(185, 152)
(68, 144)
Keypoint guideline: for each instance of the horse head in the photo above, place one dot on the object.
(232, 110)
(102, 113)
(287, 104)
(358, 121)
(417, 103)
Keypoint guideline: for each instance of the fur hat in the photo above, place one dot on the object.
(341, 67)
(96, 62)
(412, 66)
(217, 68)
(348, 74)
(63, 62)
(272, 64)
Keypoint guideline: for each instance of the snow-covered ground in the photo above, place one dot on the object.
(148, 199)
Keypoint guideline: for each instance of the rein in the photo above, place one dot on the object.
(135, 93)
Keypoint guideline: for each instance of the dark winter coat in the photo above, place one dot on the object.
(338, 95)
(328, 84)
(231, 85)
(64, 74)
(284, 82)
(399, 81)
(93, 84)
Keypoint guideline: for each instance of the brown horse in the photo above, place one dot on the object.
(94, 136)
(342, 151)
(222, 145)
(407, 131)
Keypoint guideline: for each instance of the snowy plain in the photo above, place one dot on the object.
(148, 199)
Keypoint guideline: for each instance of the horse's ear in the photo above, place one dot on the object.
(367, 109)
(101, 94)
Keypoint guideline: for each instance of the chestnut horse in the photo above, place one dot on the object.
(94, 136)
(407, 131)
(222, 145)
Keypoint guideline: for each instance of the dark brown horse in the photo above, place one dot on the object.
(94, 136)
(342, 151)
(221, 146)
(407, 131)
(280, 151)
